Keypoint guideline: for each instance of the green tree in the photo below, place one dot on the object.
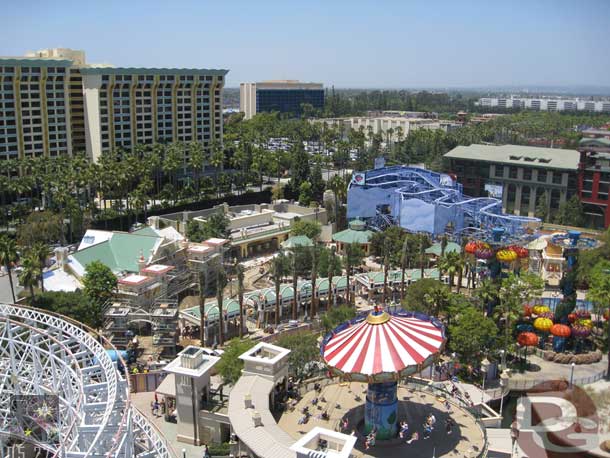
(304, 350)
(216, 225)
(8, 257)
(30, 274)
(279, 269)
(571, 213)
(599, 287)
(305, 194)
(437, 299)
(229, 367)
(221, 282)
(452, 264)
(311, 229)
(337, 315)
(44, 227)
(470, 334)
(99, 282)
(75, 305)
(41, 252)
(515, 290)
(542, 207)
(415, 294)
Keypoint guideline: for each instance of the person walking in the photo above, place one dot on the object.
(414, 437)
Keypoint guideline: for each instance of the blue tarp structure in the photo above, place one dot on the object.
(420, 200)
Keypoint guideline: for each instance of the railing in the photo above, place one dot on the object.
(521, 385)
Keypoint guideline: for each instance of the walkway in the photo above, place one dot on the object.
(142, 402)
(466, 439)
(583, 374)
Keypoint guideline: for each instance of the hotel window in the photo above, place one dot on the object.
(542, 176)
(557, 177)
(527, 174)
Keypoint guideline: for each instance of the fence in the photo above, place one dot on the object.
(552, 302)
(146, 382)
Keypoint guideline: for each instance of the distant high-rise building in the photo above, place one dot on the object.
(285, 96)
(52, 103)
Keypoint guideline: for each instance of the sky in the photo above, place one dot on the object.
(341, 43)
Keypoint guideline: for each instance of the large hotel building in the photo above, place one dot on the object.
(52, 103)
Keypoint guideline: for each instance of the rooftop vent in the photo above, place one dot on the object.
(529, 159)
(544, 161)
(515, 158)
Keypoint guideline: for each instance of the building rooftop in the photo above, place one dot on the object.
(297, 241)
(530, 156)
(355, 233)
(120, 251)
(192, 361)
(451, 247)
(134, 280)
(157, 269)
(103, 70)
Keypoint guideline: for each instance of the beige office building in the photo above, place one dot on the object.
(52, 103)
(393, 128)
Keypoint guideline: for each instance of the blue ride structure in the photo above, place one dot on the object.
(421, 200)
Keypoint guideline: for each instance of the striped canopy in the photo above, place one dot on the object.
(383, 347)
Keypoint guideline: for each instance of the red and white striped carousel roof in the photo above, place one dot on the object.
(377, 345)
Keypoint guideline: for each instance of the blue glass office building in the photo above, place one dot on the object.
(288, 100)
(284, 96)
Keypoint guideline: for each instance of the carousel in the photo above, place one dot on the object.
(379, 349)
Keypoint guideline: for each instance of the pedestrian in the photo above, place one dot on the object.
(427, 431)
(156, 408)
(414, 437)
(449, 425)
(404, 428)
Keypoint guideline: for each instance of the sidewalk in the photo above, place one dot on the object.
(583, 374)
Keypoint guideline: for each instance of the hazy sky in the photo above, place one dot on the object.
(351, 43)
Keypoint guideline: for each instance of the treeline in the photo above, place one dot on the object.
(354, 102)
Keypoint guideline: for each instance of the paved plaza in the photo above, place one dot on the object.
(466, 439)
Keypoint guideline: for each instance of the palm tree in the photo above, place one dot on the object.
(278, 270)
(203, 286)
(217, 157)
(41, 252)
(295, 304)
(424, 242)
(451, 264)
(387, 248)
(30, 273)
(332, 265)
(487, 294)
(221, 282)
(8, 256)
(354, 255)
(240, 296)
(314, 274)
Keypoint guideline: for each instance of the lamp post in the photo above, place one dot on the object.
(572, 375)
(484, 368)
(183, 453)
(503, 383)
(502, 360)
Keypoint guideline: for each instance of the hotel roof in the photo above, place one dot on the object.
(530, 156)
(101, 70)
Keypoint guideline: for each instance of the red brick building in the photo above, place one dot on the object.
(594, 178)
